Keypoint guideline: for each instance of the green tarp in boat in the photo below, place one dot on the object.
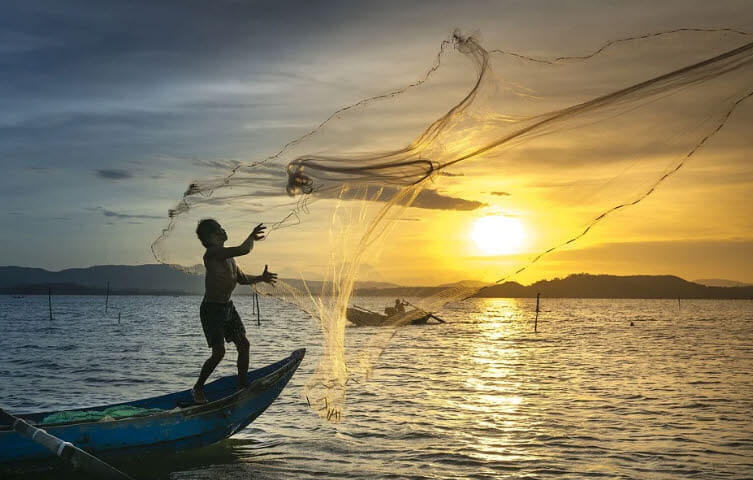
(112, 413)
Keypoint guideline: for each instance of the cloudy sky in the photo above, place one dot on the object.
(110, 109)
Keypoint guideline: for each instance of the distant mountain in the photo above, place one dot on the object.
(368, 284)
(162, 279)
(419, 291)
(610, 286)
(396, 292)
(719, 282)
(153, 279)
(122, 279)
(465, 284)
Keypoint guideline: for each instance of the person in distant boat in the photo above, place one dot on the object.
(400, 306)
(219, 319)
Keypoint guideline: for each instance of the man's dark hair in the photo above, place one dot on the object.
(205, 228)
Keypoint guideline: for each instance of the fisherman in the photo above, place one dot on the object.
(400, 306)
(219, 319)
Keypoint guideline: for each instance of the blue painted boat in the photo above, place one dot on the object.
(174, 429)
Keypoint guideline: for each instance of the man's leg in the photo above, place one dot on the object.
(218, 351)
(243, 346)
(236, 332)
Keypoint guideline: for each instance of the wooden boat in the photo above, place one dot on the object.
(365, 318)
(176, 428)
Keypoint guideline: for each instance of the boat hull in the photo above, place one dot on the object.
(362, 318)
(175, 429)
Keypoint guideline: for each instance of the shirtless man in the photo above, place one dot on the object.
(219, 319)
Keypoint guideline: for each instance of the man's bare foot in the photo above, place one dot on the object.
(242, 384)
(198, 395)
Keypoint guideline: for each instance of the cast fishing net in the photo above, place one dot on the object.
(560, 144)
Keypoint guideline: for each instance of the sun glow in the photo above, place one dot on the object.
(498, 234)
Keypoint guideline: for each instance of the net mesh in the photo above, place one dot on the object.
(559, 144)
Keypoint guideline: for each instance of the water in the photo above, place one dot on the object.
(479, 397)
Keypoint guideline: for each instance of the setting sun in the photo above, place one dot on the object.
(498, 234)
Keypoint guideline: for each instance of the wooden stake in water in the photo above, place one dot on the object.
(255, 306)
(536, 321)
(49, 300)
(107, 296)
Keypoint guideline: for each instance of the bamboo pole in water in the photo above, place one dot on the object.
(49, 300)
(258, 310)
(107, 296)
(80, 459)
(536, 321)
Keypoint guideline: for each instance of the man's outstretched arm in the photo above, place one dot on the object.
(266, 276)
(242, 249)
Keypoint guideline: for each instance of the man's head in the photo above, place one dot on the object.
(210, 232)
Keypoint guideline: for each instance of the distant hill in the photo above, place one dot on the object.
(165, 280)
(465, 284)
(610, 286)
(152, 279)
(583, 286)
(718, 282)
(155, 279)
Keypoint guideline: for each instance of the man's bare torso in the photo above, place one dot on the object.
(220, 280)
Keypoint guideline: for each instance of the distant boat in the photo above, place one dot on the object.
(176, 428)
(366, 318)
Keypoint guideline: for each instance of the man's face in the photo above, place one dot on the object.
(220, 234)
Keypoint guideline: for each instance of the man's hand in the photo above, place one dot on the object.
(267, 276)
(221, 252)
(258, 233)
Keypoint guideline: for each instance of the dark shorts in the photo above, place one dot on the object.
(221, 320)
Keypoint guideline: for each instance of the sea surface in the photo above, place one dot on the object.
(481, 396)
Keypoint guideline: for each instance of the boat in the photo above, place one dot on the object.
(180, 425)
(366, 318)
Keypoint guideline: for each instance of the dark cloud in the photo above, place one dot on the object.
(114, 174)
(431, 199)
(501, 194)
(114, 46)
(38, 169)
(427, 199)
(124, 216)
(224, 165)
